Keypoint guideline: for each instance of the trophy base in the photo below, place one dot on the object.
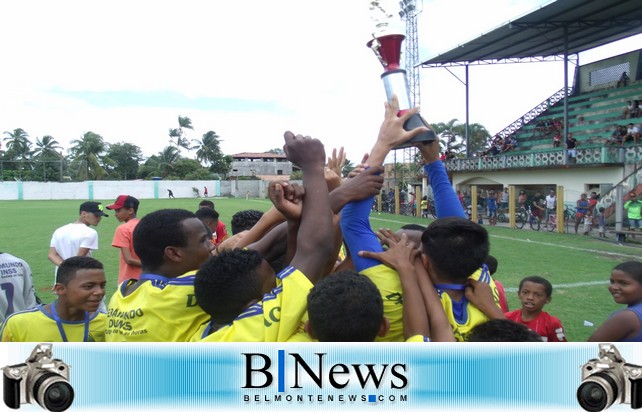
(414, 122)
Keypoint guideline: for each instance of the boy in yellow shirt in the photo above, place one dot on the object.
(73, 316)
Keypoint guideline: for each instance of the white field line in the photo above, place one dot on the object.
(626, 255)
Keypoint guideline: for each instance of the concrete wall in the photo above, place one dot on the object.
(254, 168)
(633, 58)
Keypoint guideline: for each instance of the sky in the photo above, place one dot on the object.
(248, 70)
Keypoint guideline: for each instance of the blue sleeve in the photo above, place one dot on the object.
(357, 234)
(447, 203)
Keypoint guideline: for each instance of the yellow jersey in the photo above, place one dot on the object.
(387, 281)
(462, 315)
(37, 325)
(158, 310)
(278, 317)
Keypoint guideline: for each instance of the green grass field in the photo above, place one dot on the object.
(578, 266)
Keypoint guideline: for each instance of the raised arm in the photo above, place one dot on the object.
(447, 203)
(314, 241)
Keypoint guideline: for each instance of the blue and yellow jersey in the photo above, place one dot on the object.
(158, 310)
(418, 338)
(462, 315)
(387, 281)
(36, 325)
(278, 317)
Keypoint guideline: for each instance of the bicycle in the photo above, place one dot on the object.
(524, 215)
(551, 222)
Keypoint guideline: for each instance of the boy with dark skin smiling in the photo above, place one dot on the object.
(73, 316)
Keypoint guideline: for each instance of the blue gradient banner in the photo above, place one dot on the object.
(273, 376)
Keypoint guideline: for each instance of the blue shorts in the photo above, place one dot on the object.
(633, 223)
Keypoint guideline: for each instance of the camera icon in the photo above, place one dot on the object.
(608, 380)
(41, 379)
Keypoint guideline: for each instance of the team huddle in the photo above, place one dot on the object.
(309, 269)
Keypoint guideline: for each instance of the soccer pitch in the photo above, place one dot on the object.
(578, 266)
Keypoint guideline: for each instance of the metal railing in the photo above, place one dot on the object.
(534, 112)
(548, 159)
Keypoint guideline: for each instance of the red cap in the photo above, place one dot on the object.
(124, 201)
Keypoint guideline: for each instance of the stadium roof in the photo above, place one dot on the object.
(581, 24)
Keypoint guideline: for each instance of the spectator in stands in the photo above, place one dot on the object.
(632, 109)
(624, 80)
(540, 127)
(632, 133)
(557, 139)
(571, 146)
(616, 137)
(509, 144)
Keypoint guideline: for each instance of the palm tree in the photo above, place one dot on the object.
(18, 147)
(86, 154)
(163, 163)
(47, 148)
(17, 141)
(184, 122)
(450, 137)
(208, 149)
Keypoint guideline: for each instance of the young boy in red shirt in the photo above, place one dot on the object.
(125, 208)
(535, 292)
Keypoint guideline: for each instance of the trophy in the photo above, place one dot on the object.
(386, 45)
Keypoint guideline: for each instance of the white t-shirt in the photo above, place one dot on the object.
(71, 237)
(550, 202)
(632, 130)
(16, 286)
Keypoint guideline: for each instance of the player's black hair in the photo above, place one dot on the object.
(632, 268)
(245, 220)
(345, 307)
(158, 230)
(206, 203)
(226, 283)
(413, 226)
(548, 288)
(502, 330)
(205, 213)
(68, 268)
(492, 264)
(456, 247)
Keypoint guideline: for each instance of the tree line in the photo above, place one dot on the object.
(91, 158)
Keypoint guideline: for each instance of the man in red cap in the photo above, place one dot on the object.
(125, 209)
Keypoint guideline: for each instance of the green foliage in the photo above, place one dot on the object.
(296, 175)
(124, 160)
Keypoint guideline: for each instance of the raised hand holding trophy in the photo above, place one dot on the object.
(386, 44)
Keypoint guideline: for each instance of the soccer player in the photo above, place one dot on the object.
(355, 225)
(125, 209)
(160, 306)
(77, 238)
(245, 220)
(454, 251)
(73, 316)
(238, 287)
(534, 292)
(624, 325)
(16, 286)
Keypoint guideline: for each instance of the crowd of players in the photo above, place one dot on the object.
(309, 269)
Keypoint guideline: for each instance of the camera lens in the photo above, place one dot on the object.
(53, 392)
(597, 392)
